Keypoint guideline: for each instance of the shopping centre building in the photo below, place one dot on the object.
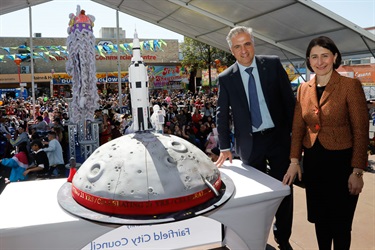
(161, 56)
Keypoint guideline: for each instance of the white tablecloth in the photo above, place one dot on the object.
(251, 211)
(31, 218)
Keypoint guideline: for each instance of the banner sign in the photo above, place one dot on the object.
(167, 77)
(195, 233)
(214, 76)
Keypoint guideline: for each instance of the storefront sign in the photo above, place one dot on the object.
(13, 78)
(111, 77)
(174, 77)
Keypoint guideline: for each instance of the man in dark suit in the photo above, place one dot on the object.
(261, 128)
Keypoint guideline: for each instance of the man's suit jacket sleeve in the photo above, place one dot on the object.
(222, 114)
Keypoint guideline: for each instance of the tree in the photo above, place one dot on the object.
(198, 55)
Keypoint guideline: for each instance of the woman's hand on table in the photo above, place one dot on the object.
(293, 171)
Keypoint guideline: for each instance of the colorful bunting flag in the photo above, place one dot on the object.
(46, 52)
(6, 49)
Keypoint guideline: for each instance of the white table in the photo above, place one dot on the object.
(31, 218)
(251, 211)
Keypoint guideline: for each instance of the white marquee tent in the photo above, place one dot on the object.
(282, 27)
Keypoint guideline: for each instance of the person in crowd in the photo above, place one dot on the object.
(190, 106)
(34, 134)
(174, 108)
(198, 104)
(257, 92)
(106, 134)
(212, 139)
(181, 117)
(210, 121)
(187, 114)
(65, 134)
(40, 163)
(196, 117)
(201, 136)
(169, 115)
(331, 127)
(57, 114)
(46, 117)
(16, 121)
(188, 134)
(177, 131)
(59, 133)
(173, 123)
(214, 154)
(3, 125)
(98, 117)
(65, 120)
(18, 164)
(57, 123)
(62, 135)
(125, 123)
(167, 130)
(37, 112)
(55, 156)
(116, 131)
(207, 111)
(40, 124)
(22, 136)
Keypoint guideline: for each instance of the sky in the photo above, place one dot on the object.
(51, 19)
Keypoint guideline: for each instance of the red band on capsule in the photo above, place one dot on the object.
(151, 207)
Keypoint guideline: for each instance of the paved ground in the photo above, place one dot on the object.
(363, 234)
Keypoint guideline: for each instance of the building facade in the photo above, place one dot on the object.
(50, 57)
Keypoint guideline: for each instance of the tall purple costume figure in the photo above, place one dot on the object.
(81, 66)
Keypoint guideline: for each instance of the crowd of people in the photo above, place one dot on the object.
(44, 128)
(32, 141)
(187, 115)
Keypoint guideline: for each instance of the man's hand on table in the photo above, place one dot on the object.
(224, 155)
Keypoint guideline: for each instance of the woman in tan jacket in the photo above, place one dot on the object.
(331, 127)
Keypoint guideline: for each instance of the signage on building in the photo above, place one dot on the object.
(159, 77)
(13, 78)
(167, 77)
(111, 77)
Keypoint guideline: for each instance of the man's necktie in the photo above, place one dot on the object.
(256, 117)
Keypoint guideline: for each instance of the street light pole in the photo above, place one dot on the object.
(51, 83)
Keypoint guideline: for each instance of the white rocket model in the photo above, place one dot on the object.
(138, 82)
